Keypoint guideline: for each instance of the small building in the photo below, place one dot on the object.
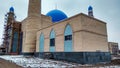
(113, 48)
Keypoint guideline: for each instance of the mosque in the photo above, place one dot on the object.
(81, 38)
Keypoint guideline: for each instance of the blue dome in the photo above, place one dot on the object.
(11, 9)
(56, 15)
(90, 8)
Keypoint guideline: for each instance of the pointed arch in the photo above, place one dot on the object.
(68, 44)
(41, 43)
(52, 41)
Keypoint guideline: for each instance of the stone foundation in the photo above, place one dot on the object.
(77, 57)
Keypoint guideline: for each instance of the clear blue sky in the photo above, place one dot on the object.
(105, 10)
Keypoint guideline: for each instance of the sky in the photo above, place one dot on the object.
(105, 10)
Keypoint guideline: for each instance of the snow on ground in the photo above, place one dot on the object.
(34, 62)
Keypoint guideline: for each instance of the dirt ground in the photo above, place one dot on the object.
(6, 64)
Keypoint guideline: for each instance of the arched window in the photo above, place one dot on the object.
(41, 44)
(52, 41)
(68, 39)
(15, 42)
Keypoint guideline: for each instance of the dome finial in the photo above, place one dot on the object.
(11, 9)
(55, 5)
(90, 11)
(90, 8)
